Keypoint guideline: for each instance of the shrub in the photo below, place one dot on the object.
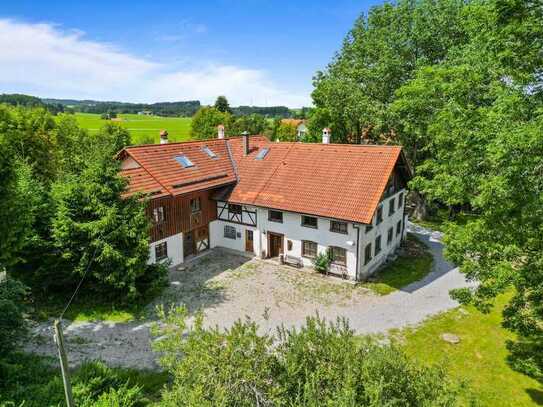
(319, 364)
(322, 262)
(12, 324)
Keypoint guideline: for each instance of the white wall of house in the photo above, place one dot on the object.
(175, 249)
(293, 231)
(389, 221)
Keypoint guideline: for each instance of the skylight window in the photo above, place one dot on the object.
(262, 153)
(208, 151)
(184, 161)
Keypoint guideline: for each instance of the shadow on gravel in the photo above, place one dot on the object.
(196, 284)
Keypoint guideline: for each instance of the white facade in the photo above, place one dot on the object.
(174, 245)
(294, 233)
(397, 219)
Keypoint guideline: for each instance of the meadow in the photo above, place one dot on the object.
(143, 129)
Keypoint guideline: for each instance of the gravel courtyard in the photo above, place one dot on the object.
(228, 286)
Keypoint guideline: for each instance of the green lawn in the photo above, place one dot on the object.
(412, 266)
(92, 308)
(143, 129)
(479, 358)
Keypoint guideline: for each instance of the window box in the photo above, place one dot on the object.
(338, 227)
(275, 216)
(309, 222)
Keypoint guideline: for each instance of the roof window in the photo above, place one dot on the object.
(184, 161)
(209, 152)
(262, 153)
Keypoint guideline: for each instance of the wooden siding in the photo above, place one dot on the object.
(178, 214)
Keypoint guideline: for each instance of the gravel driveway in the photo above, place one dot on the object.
(229, 286)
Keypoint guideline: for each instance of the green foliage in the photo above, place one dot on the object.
(205, 122)
(286, 132)
(12, 323)
(322, 261)
(93, 222)
(319, 364)
(221, 104)
(36, 382)
(253, 124)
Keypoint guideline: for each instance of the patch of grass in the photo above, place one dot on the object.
(440, 218)
(480, 357)
(143, 129)
(91, 308)
(413, 265)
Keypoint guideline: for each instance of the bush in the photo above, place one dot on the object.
(319, 364)
(35, 381)
(322, 262)
(12, 323)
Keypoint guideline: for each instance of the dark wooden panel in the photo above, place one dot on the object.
(179, 217)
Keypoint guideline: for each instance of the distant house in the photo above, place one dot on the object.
(273, 199)
(299, 124)
(145, 113)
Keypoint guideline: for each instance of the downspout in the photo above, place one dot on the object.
(403, 216)
(357, 249)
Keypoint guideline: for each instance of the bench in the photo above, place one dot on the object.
(291, 260)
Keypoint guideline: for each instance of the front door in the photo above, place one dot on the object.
(275, 244)
(249, 241)
(188, 244)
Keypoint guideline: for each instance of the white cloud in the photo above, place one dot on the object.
(43, 60)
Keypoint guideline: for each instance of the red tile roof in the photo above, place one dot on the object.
(158, 160)
(340, 181)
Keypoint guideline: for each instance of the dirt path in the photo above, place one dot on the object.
(228, 286)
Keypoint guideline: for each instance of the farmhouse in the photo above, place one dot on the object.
(288, 200)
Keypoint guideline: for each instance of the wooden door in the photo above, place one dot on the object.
(275, 244)
(188, 244)
(202, 239)
(249, 241)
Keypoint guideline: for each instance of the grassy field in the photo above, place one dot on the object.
(479, 358)
(143, 129)
(411, 266)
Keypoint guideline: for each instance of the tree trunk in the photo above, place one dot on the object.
(421, 206)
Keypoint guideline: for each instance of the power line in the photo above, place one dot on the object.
(79, 284)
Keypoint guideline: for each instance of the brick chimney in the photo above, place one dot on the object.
(220, 131)
(326, 135)
(163, 137)
(245, 136)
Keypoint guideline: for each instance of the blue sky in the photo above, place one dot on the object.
(256, 52)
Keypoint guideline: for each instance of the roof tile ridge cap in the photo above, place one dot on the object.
(232, 161)
(274, 171)
(387, 173)
(170, 144)
(150, 174)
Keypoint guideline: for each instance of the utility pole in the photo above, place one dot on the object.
(59, 340)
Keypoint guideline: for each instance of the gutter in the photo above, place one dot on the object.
(357, 249)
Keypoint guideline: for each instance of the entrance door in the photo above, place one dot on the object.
(249, 241)
(275, 244)
(202, 239)
(188, 244)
